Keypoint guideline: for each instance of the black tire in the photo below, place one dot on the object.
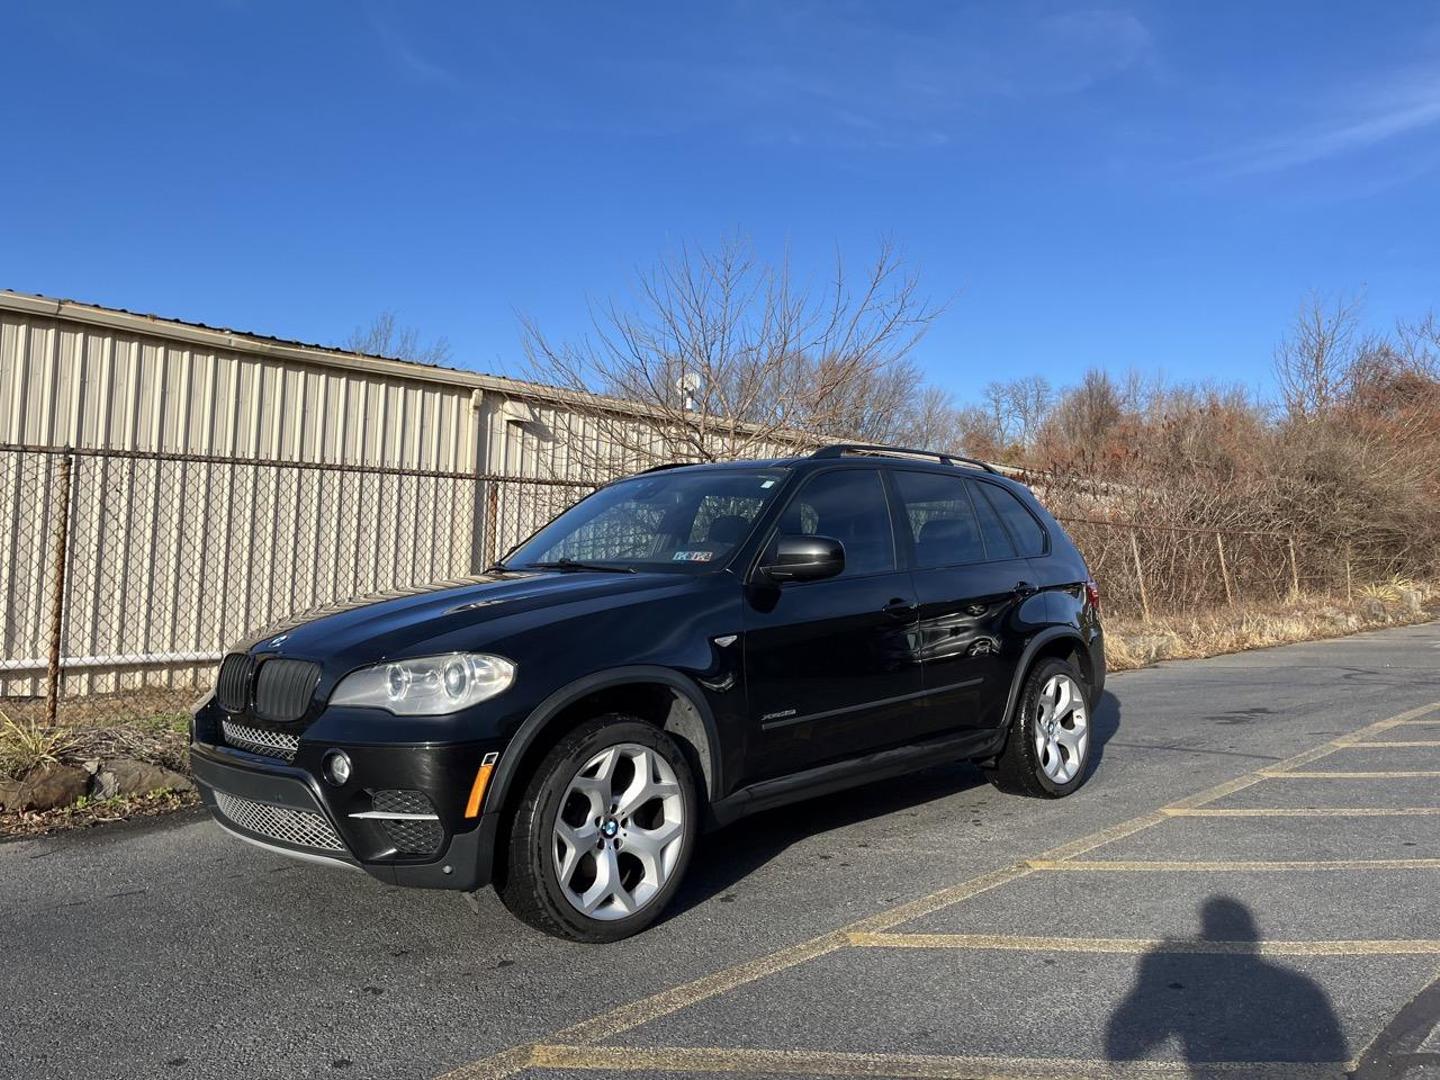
(1018, 769)
(528, 881)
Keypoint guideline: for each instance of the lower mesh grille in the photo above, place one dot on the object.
(411, 835)
(303, 828)
(274, 744)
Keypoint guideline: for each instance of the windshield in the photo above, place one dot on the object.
(687, 521)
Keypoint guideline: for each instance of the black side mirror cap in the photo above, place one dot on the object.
(804, 558)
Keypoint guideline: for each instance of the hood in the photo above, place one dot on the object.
(461, 614)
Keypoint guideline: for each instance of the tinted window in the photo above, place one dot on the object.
(941, 517)
(849, 506)
(998, 544)
(1029, 536)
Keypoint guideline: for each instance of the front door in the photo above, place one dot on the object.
(831, 665)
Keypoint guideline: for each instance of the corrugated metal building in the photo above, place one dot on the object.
(377, 474)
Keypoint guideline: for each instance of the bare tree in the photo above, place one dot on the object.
(1019, 407)
(1313, 361)
(383, 336)
(722, 355)
(1087, 413)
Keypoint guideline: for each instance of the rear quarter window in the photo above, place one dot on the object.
(1028, 534)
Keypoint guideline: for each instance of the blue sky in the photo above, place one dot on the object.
(1144, 184)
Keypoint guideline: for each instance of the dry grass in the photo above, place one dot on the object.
(25, 744)
(161, 739)
(1132, 643)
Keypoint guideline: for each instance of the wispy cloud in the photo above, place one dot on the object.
(861, 81)
(406, 58)
(1405, 107)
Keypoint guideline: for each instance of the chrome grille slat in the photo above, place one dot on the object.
(276, 744)
(303, 828)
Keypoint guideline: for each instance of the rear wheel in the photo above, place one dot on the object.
(603, 832)
(1048, 748)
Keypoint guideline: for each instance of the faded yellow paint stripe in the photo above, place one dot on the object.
(747, 1061)
(1285, 774)
(1150, 866)
(1432, 743)
(1307, 811)
(632, 1015)
(1183, 946)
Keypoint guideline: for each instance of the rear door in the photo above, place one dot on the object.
(831, 666)
(976, 593)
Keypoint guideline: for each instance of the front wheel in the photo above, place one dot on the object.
(1048, 747)
(603, 832)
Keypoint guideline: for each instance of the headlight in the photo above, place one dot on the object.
(427, 686)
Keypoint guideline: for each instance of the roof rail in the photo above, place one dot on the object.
(667, 465)
(841, 449)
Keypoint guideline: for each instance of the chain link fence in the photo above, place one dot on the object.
(127, 574)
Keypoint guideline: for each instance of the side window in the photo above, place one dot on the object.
(942, 519)
(997, 541)
(1029, 536)
(848, 505)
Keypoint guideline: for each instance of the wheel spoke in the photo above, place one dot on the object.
(648, 845)
(577, 841)
(1064, 699)
(644, 787)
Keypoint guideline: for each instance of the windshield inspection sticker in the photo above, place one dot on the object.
(692, 556)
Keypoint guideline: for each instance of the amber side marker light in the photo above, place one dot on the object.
(482, 781)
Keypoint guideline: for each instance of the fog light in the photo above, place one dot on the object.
(336, 767)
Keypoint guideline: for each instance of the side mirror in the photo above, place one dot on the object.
(805, 558)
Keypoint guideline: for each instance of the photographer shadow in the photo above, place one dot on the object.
(1221, 1001)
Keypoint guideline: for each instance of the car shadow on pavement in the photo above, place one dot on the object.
(733, 853)
(1215, 998)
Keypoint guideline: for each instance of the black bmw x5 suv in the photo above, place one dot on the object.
(684, 647)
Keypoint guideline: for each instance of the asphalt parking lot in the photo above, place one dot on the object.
(1247, 886)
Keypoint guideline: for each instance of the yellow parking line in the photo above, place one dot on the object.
(1432, 743)
(1021, 943)
(1150, 866)
(1287, 774)
(739, 1060)
(1307, 811)
(625, 1017)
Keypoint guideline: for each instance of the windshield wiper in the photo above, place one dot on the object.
(577, 564)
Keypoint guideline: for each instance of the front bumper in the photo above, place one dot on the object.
(286, 808)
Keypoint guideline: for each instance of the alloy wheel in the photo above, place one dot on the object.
(619, 831)
(1062, 729)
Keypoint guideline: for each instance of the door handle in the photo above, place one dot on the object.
(900, 608)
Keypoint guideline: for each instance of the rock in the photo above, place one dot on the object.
(125, 776)
(1373, 608)
(44, 788)
(1410, 602)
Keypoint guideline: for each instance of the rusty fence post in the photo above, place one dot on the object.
(1140, 576)
(1224, 570)
(54, 674)
(1349, 588)
(1294, 572)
